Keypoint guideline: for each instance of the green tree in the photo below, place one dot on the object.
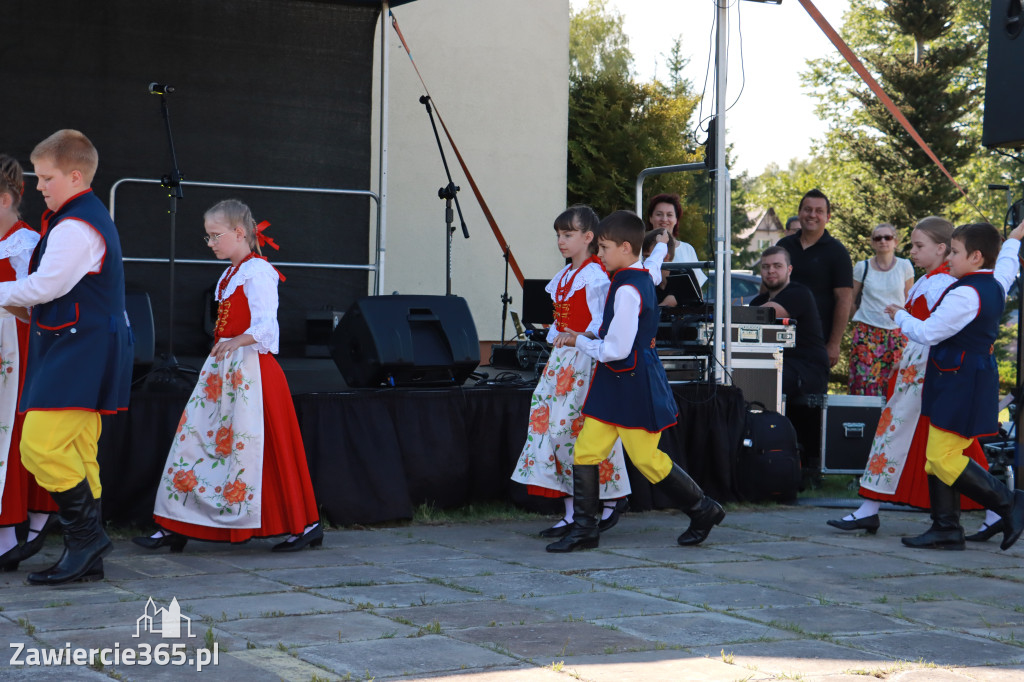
(618, 127)
(929, 57)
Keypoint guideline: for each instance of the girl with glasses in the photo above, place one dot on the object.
(237, 467)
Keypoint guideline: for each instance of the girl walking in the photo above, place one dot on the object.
(237, 467)
(578, 292)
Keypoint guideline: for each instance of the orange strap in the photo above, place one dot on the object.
(854, 62)
(472, 183)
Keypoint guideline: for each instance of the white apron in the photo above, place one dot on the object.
(9, 363)
(214, 470)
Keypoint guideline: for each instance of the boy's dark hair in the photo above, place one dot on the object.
(983, 237)
(623, 227)
(579, 217)
(792, 219)
(816, 194)
(772, 250)
(651, 238)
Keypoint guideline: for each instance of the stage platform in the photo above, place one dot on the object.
(375, 455)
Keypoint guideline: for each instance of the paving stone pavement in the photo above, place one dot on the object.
(773, 594)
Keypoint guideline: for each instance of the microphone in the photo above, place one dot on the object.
(160, 89)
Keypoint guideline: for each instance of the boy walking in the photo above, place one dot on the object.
(80, 349)
(629, 397)
(961, 385)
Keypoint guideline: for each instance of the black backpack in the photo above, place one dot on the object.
(768, 467)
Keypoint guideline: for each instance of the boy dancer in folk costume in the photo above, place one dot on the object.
(961, 384)
(630, 396)
(578, 292)
(237, 467)
(20, 495)
(80, 349)
(895, 470)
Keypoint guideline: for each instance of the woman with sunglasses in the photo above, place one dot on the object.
(877, 342)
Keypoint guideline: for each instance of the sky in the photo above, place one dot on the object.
(773, 119)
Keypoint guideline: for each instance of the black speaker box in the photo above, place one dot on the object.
(406, 341)
(1004, 82)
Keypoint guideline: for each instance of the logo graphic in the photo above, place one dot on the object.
(165, 622)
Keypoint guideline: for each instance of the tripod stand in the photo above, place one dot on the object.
(168, 374)
(449, 193)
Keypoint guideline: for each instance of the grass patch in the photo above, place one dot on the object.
(429, 515)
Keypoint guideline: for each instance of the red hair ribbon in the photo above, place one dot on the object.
(264, 240)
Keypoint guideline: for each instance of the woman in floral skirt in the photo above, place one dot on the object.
(237, 467)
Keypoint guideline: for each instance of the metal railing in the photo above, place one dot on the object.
(369, 267)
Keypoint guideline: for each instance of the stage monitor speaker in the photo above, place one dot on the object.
(406, 340)
(1003, 124)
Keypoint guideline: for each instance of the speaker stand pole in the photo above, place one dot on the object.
(449, 193)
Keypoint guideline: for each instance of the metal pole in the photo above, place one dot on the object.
(723, 250)
(382, 154)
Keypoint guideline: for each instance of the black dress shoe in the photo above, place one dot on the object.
(981, 536)
(313, 538)
(10, 559)
(621, 505)
(868, 523)
(32, 547)
(557, 531)
(173, 540)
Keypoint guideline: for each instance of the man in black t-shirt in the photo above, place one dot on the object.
(805, 365)
(823, 264)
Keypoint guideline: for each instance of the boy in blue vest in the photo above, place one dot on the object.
(629, 396)
(961, 385)
(80, 349)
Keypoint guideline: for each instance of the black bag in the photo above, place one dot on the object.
(768, 467)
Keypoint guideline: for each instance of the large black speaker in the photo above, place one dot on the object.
(406, 341)
(1004, 83)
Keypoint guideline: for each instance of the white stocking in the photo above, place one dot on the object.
(868, 508)
(36, 520)
(8, 540)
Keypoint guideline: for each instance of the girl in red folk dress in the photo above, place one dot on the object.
(545, 465)
(895, 470)
(20, 496)
(237, 468)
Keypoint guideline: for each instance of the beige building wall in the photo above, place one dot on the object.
(497, 71)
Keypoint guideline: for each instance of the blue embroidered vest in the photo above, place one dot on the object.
(961, 384)
(633, 392)
(80, 345)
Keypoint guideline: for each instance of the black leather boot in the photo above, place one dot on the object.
(584, 533)
(85, 541)
(991, 493)
(946, 531)
(704, 512)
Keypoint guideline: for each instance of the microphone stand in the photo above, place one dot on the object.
(505, 298)
(165, 375)
(449, 193)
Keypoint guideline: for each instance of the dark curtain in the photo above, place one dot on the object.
(376, 455)
(268, 92)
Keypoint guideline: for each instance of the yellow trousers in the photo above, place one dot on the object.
(59, 448)
(944, 456)
(596, 439)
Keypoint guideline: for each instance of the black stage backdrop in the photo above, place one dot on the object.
(268, 92)
(376, 455)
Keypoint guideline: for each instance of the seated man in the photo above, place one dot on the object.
(805, 366)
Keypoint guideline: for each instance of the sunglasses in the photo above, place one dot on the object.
(882, 238)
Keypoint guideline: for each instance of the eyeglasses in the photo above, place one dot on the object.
(212, 238)
(882, 238)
